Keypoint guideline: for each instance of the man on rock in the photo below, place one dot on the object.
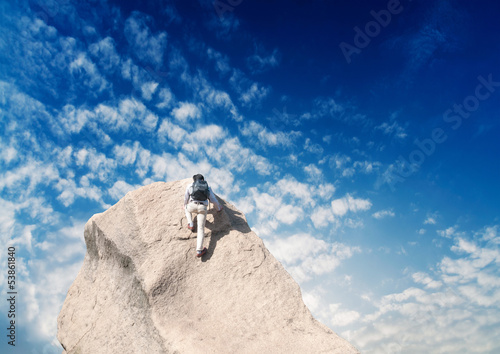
(196, 201)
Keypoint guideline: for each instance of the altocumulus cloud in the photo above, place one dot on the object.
(306, 256)
(449, 302)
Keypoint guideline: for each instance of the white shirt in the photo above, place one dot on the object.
(211, 197)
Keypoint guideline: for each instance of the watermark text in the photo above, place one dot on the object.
(363, 36)
(11, 295)
(404, 167)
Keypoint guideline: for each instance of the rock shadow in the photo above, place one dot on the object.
(223, 223)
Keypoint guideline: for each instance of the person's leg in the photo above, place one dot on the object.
(189, 209)
(201, 218)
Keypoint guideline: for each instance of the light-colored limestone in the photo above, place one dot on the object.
(142, 290)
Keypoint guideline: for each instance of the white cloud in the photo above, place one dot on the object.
(301, 192)
(267, 138)
(128, 113)
(259, 63)
(75, 231)
(328, 107)
(341, 317)
(33, 172)
(110, 117)
(288, 214)
(348, 172)
(366, 167)
(430, 221)
(450, 305)
(287, 201)
(26, 238)
(105, 53)
(214, 98)
(490, 234)
(393, 129)
(190, 142)
(323, 217)
(132, 110)
(46, 288)
(254, 95)
(147, 47)
(325, 190)
(208, 134)
(69, 191)
(216, 145)
(314, 173)
(221, 61)
(98, 163)
(233, 155)
(120, 188)
(7, 219)
(448, 233)
(344, 165)
(339, 161)
(383, 214)
(312, 147)
(341, 206)
(73, 120)
(312, 300)
(84, 70)
(305, 256)
(220, 180)
(425, 279)
(313, 266)
(186, 111)
(46, 272)
(148, 89)
(144, 79)
(266, 204)
(173, 132)
(8, 154)
(296, 248)
(143, 162)
(166, 98)
(171, 168)
(126, 154)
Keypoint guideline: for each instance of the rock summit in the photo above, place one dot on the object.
(142, 290)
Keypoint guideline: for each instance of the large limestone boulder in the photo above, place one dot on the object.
(142, 290)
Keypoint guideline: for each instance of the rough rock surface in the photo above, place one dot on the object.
(142, 290)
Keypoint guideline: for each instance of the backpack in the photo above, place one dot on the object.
(200, 191)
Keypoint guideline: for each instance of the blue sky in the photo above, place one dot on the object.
(360, 138)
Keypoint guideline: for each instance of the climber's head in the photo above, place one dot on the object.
(198, 177)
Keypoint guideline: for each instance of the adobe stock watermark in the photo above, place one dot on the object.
(363, 36)
(405, 167)
(223, 6)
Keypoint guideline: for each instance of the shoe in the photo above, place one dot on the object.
(201, 253)
(191, 227)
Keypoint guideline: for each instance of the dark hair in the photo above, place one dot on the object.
(198, 177)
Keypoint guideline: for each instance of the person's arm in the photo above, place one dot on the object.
(213, 199)
(186, 197)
